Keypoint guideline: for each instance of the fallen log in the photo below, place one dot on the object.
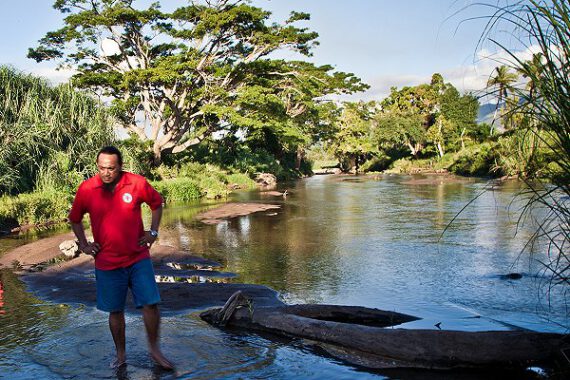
(367, 337)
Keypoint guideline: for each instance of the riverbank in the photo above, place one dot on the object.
(50, 276)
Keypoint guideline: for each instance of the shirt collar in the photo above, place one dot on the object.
(122, 181)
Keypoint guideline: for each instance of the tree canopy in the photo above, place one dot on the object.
(176, 78)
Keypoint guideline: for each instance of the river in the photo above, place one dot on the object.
(368, 241)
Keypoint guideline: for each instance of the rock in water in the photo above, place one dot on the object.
(69, 248)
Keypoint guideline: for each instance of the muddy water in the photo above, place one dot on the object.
(353, 241)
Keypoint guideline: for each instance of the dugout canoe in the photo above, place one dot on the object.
(369, 337)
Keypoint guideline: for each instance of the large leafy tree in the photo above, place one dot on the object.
(177, 77)
(433, 113)
(352, 143)
(396, 130)
(406, 114)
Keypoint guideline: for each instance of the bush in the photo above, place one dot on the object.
(34, 208)
(401, 166)
(480, 160)
(376, 164)
(242, 180)
(178, 190)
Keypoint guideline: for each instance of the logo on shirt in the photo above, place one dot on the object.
(127, 198)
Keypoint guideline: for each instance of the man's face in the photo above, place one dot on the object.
(109, 168)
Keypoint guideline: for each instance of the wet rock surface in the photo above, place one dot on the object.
(73, 282)
(233, 210)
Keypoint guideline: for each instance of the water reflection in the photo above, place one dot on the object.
(369, 242)
(379, 243)
(23, 318)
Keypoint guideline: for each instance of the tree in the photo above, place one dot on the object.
(502, 82)
(177, 77)
(352, 143)
(395, 130)
(461, 111)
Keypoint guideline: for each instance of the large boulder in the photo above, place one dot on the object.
(69, 248)
(266, 180)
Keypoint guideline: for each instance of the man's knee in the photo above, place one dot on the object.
(152, 307)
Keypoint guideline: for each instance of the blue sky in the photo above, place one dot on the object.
(384, 42)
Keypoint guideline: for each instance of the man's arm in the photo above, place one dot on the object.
(155, 218)
(84, 245)
(149, 238)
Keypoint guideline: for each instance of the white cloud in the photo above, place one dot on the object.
(52, 74)
(466, 78)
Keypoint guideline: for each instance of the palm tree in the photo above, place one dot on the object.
(502, 82)
(532, 70)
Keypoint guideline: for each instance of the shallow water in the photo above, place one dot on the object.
(340, 240)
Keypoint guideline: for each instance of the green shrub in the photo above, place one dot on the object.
(242, 180)
(178, 190)
(33, 208)
(376, 164)
(212, 187)
(401, 166)
(479, 160)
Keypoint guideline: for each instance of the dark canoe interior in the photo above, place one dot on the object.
(349, 314)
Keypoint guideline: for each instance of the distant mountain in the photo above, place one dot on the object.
(486, 112)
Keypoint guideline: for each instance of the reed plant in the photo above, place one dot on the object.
(48, 135)
(543, 27)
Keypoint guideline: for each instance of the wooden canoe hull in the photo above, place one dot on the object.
(381, 347)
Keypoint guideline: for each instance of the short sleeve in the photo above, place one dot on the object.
(151, 196)
(78, 207)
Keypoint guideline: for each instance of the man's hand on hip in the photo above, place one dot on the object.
(91, 249)
(148, 239)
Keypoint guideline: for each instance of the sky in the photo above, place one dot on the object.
(384, 42)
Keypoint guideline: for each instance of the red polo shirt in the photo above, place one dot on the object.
(116, 220)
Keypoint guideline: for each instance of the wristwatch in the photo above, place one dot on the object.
(153, 233)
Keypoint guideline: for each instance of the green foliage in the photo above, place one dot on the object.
(396, 131)
(48, 135)
(34, 208)
(192, 180)
(137, 156)
(243, 181)
(378, 163)
(403, 165)
(352, 143)
(479, 160)
(178, 190)
(201, 69)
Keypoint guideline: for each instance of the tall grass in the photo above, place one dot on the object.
(543, 26)
(47, 133)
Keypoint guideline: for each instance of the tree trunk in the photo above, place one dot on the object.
(157, 156)
(299, 158)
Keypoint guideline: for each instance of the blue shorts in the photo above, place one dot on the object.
(112, 286)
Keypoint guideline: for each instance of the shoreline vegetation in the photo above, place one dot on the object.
(199, 124)
(45, 210)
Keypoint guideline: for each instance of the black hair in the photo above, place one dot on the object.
(111, 150)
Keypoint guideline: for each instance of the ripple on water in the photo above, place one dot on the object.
(197, 349)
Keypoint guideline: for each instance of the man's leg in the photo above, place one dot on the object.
(117, 327)
(112, 286)
(146, 295)
(151, 316)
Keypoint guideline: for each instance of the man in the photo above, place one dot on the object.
(113, 199)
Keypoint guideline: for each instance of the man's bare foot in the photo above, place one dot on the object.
(117, 363)
(161, 361)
